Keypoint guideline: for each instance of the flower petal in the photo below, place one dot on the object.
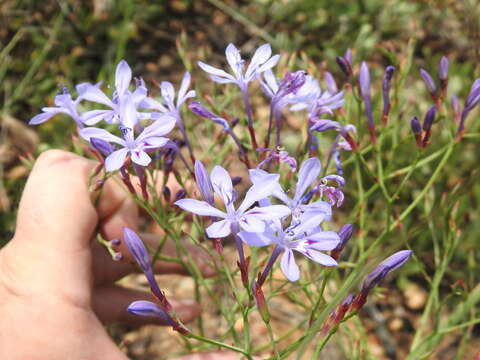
(256, 239)
(215, 71)
(258, 192)
(151, 143)
(103, 134)
(93, 93)
(44, 116)
(251, 223)
(289, 267)
(183, 87)
(115, 160)
(307, 174)
(272, 212)
(319, 257)
(123, 76)
(221, 182)
(140, 157)
(322, 240)
(268, 65)
(94, 116)
(234, 59)
(160, 127)
(201, 208)
(219, 229)
(260, 56)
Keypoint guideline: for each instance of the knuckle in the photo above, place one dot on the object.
(54, 157)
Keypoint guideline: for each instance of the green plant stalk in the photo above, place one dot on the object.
(220, 344)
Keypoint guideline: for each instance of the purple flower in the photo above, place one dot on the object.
(147, 308)
(330, 81)
(427, 125)
(386, 84)
(307, 174)
(427, 78)
(168, 93)
(346, 62)
(472, 100)
(417, 130)
(364, 83)
(140, 254)
(279, 154)
(303, 237)
(261, 61)
(150, 138)
(345, 233)
(203, 182)
(443, 69)
(64, 105)
(311, 97)
(124, 103)
(384, 268)
(252, 220)
(101, 146)
(378, 274)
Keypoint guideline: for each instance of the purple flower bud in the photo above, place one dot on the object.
(200, 110)
(115, 242)
(364, 83)
(415, 125)
(321, 125)
(102, 146)
(137, 249)
(429, 118)
(345, 233)
(364, 80)
(180, 194)
(331, 84)
(236, 180)
(386, 84)
(147, 308)
(203, 182)
(472, 100)
(117, 256)
(344, 65)
(384, 268)
(427, 125)
(167, 194)
(432, 88)
(140, 254)
(443, 69)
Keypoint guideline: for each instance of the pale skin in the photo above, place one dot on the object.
(57, 285)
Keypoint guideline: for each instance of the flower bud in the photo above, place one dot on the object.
(344, 65)
(203, 182)
(427, 78)
(427, 125)
(386, 84)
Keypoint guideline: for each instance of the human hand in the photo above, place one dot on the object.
(56, 284)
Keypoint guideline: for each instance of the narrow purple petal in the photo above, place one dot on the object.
(44, 116)
(203, 182)
(308, 172)
(89, 132)
(289, 267)
(256, 239)
(219, 229)
(140, 157)
(115, 160)
(427, 78)
(123, 76)
(199, 207)
(215, 71)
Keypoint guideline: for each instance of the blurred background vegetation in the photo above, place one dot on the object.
(45, 44)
